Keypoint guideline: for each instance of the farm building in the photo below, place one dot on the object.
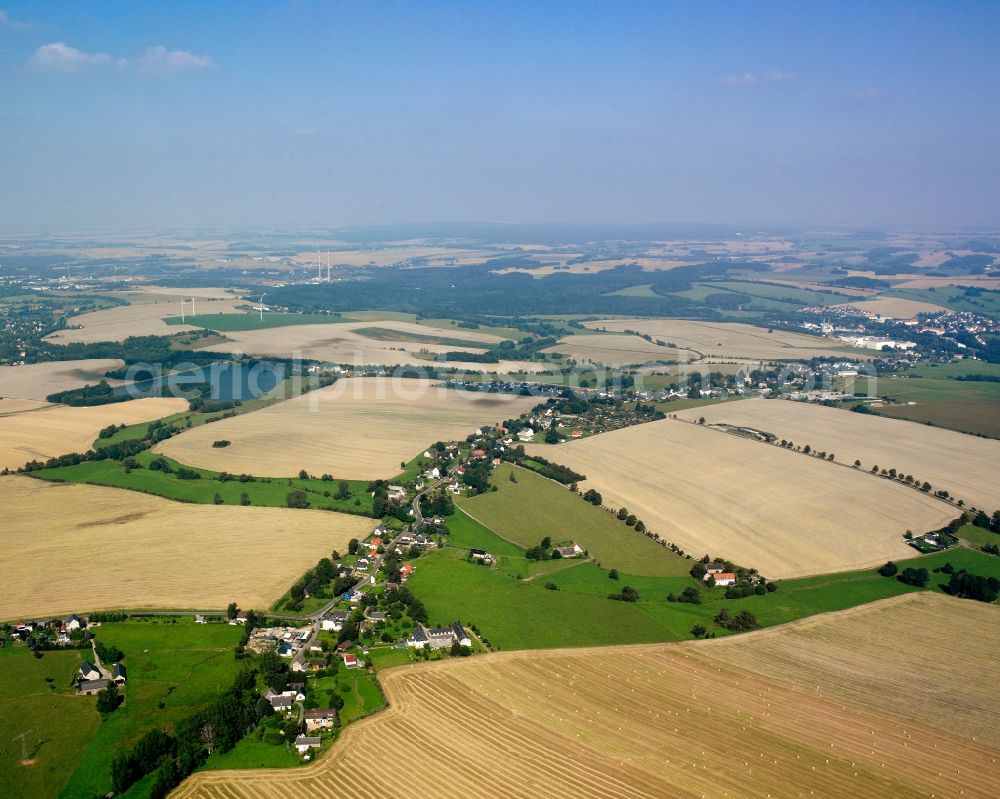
(438, 637)
(320, 718)
(304, 743)
(334, 621)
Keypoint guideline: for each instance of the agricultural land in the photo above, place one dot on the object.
(960, 464)
(783, 513)
(360, 428)
(32, 430)
(683, 720)
(153, 553)
(726, 340)
(39, 380)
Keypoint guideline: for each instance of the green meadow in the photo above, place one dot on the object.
(529, 507)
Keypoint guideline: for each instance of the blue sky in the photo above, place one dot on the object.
(135, 115)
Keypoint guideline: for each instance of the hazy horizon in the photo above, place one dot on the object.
(353, 115)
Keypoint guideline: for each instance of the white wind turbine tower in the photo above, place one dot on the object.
(182, 309)
(319, 266)
(262, 306)
(192, 306)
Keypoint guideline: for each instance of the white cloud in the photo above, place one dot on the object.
(160, 60)
(60, 57)
(750, 79)
(746, 79)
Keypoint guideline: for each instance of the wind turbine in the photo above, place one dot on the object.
(182, 309)
(192, 306)
(262, 306)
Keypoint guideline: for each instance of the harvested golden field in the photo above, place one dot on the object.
(78, 548)
(845, 656)
(38, 380)
(358, 428)
(617, 350)
(966, 466)
(922, 282)
(340, 343)
(728, 339)
(41, 431)
(781, 512)
(893, 307)
(679, 720)
(144, 318)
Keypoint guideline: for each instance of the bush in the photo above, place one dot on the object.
(889, 569)
(744, 620)
(917, 577)
(297, 499)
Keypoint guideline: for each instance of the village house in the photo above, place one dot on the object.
(88, 671)
(119, 675)
(525, 435)
(480, 554)
(71, 623)
(573, 550)
(438, 637)
(723, 578)
(350, 660)
(396, 493)
(334, 621)
(91, 687)
(304, 743)
(320, 718)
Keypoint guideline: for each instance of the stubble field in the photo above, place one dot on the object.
(728, 339)
(965, 466)
(681, 720)
(38, 380)
(358, 428)
(617, 350)
(142, 318)
(343, 344)
(894, 307)
(784, 513)
(79, 548)
(32, 430)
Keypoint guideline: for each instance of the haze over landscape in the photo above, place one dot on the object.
(537, 400)
(232, 114)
